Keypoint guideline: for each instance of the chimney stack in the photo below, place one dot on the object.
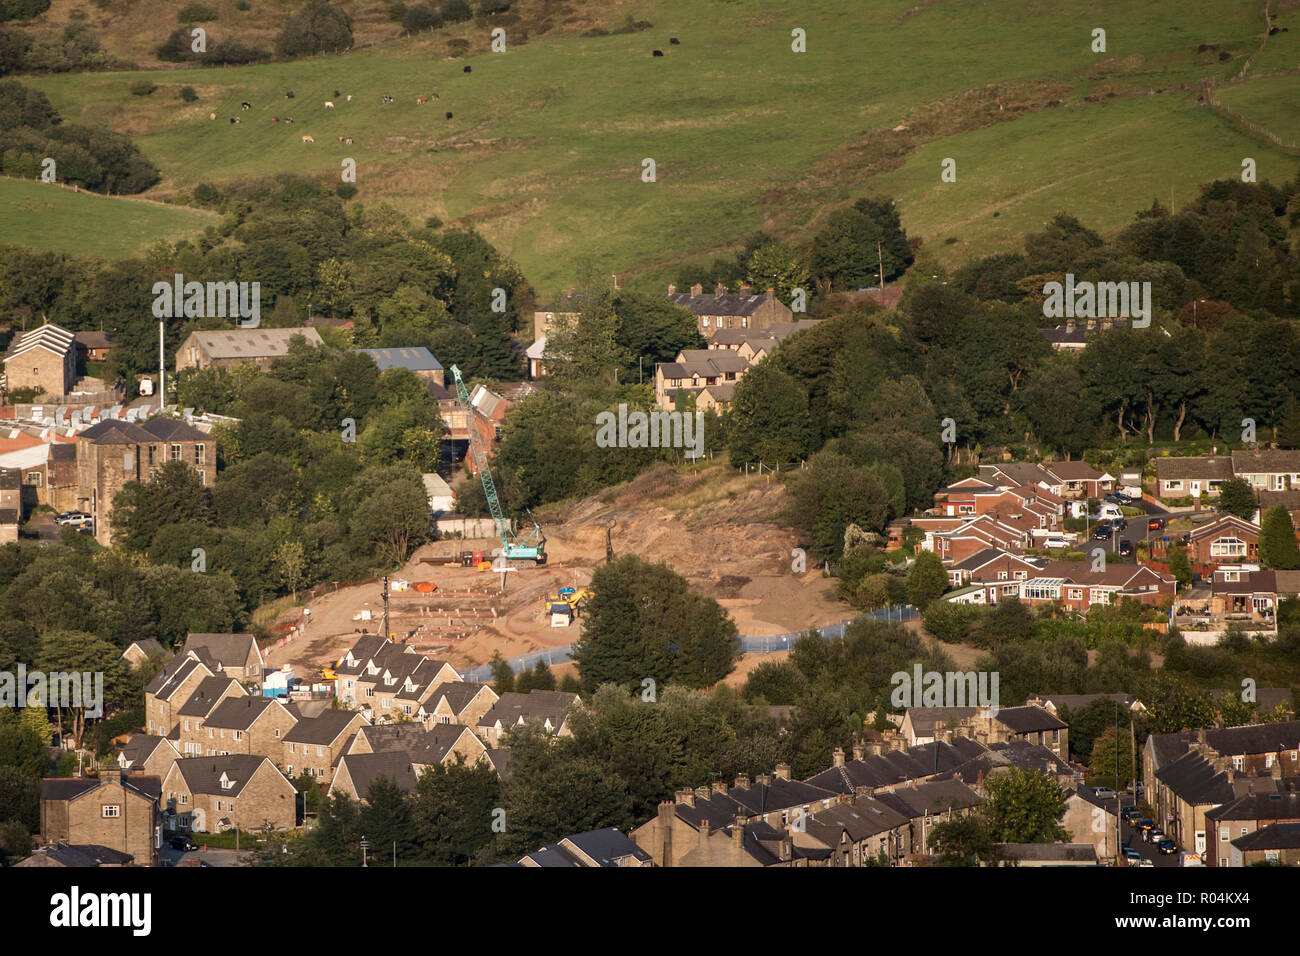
(1276, 769)
(696, 289)
(742, 781)
(704, 832)
(672, 289)
(720, 787)
(738, 832)
(686, 796)
(720, 290)
(858, 750)
(744, 288)
(783, 769)
(837, 757)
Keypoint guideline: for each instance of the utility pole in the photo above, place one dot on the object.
(385, 607)
(880, 260)
(162, 366)
(1117, 813)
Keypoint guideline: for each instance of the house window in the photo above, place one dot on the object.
(1236, 763)
(370, 692)
(293, 748)
(290, 769)
(320, 751)
(1174, 485)
(1244, 831)
(1076, 594)
(1227, 547)
(176, 453)
(185, 798)
(277, 731)
(151, 452)
(239, 735)
(113, 810)
(965, 509)
(187, 725)
(32, 479)
(200, 454)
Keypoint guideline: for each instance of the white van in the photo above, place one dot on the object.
(1109, 510)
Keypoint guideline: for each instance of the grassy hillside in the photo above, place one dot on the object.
(544, 152)
(54, 219)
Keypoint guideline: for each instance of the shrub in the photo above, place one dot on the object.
(22, 9)
(346, 190)
(458, 46)
(143, 88)
(456, 11)
(188, 95)
(207, 194)
(316, 28)
(419, 18)
(196, 13)
(493, 6)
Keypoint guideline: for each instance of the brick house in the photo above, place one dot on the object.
(1250, 813)
(722, 310)
(92, 346)
(113, 810)
(1226, 539)
(1075, 586)
(113, 452)
(45, 358)
(213, 794)
(315, 744)
(240, 346)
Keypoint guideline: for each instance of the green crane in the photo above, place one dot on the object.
(534, 547)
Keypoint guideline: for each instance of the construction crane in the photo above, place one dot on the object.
(533, 548)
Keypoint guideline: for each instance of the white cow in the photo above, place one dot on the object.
(329, 105)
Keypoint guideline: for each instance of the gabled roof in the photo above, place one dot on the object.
(714, 304)
(458, 694)
(146, 786)
(759, 798)
(114, 432)
(1046, 852)
(604, 846)
(173, 674)
(1275, 836)
(49, 337)
(203, 774)
(365, 769)
(1194, 467)
(931, 797)
(252, 343)
(228, 650)
(173, 429)
(206, 696)
(861, 820)
(1194, 780)
(321, 730)
(539, 705)
(142, 746)
(1224, 523)
(78, 855)
(239, 713)
(1269, 805)
(1267, 461)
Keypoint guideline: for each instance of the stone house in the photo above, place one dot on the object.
(1249, 813)
(170, 689)
(1275, 843)
(210, 694)
(457, 702)
(231, 655)
(926, 805)
(231, 347)
(148, 754)
(315, 744)
(595, 848)
(115, 810)
(137, 652)
(723, 310)
(113, 452)
(355, 773)
(247, 725)
(548, 707)
(440, 744)
(44, 357)
(218, 793)
(415, 688)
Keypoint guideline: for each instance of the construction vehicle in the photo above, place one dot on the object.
(568, 600)
(533, 548)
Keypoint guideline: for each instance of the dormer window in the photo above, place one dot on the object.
(226, 782)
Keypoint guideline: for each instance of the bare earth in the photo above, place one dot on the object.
(716, 528)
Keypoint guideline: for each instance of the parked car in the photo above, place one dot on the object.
(1103, 793)
(1130, 814)
(1146, 863)
(73, 517)
(1126, 547)
(182, 843)
(1132, 855)
(1103, 533)
(1119, 498)
(1143, 825)
(1154, 835)
(1166, 846)
(1053, 544)
(1155, 524)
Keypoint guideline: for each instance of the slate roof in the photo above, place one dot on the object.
(714, 304)
(239, 713)
(172, 429)
(457, 693)
(114, 432)
(1193, 779)
(1230, 741)
(1271, 461)
(205, 696)
(1076, 701)
(141, 746)
(535, 705)
(861, 820)
(1259, 806)
(1199, 467)
(321, 730)
(365, 769)
(50, 337)
(229, 650)
(606, 846)
(780, 794)
(78, 855)
(148, 645)
(93, 339)
(1046, 852)
(1028, 719)
(931, 797)
(1275, 836)
(897, 766)
(70, 788)
(169, 679)
(416, 358)
(763, 843)
(203, 774)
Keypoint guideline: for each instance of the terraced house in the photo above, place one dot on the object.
(723, 310)
(214, 794)
(315, 744)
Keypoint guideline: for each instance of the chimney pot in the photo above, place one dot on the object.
(837, 756)
(742, 781)
(720, 787)
(696, 289)
(672, 290)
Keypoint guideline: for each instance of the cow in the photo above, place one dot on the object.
(349, 97)
(448, 116)
(387, 99)
(336, 92)
(421, 99)
(468, 70)
(288, 119)
(245, 106)
(288, 94)
(674, 41)
(658, 53)
(348, 140)
(308, 139)
(275, 119)
(234, 120)
(212, 116)
(329, 105)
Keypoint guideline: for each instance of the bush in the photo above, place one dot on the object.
(419, 18)
(176, 48)
(458, 46)
(233, 51)
(493, 6)
(207, 194)
(196, 13)
(22, 9)
(316, 28)
(188, 95)
(142, 88)
(456, 11)
(346, 190)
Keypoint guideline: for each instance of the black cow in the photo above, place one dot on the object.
(245, 106)
(448, 116)
(468, 70)
(288, 94)
(674, 41)
(658, 53)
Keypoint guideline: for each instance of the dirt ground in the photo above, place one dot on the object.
(716, 528)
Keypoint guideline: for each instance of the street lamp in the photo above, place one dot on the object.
(365, 845)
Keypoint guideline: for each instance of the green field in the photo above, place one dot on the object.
(544, 153)
(52, 218)
(1273, 102)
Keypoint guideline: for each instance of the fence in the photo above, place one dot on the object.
(754, 644)
(1244, 125)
